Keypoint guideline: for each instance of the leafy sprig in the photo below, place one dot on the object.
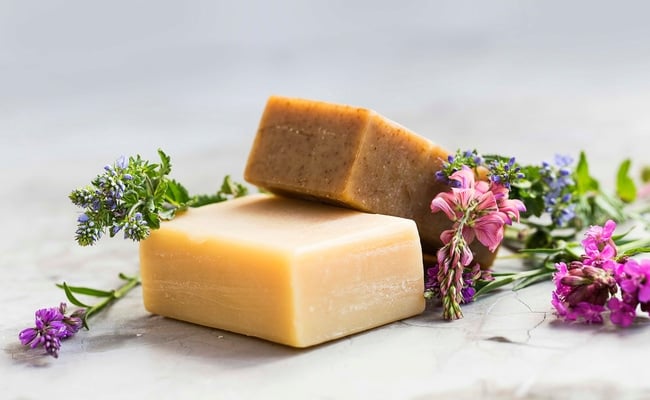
(133, 196)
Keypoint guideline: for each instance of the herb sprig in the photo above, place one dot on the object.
(132, 196)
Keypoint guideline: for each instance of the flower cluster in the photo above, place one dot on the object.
(107, 204)
(586, 289)
(52, 326)
(504, 171)
(470, 277)
(558, 191)
(454, 163)
(479, 211)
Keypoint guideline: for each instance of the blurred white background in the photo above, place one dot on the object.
(83, 82)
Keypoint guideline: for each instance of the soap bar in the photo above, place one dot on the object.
(352, 157)
(286, 270)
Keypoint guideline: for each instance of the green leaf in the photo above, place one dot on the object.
(634, 252)
(609, 207)
(495, 284)
(86, 291)
(161, 190)
(541, 250)
(233, 188)
(168, 214)
(205, 199)
(584, 182)
(529, 280)
(625, 187)
(71, 297)
(177, 193)
(166, 165)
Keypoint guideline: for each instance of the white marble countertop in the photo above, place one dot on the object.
(82, 84)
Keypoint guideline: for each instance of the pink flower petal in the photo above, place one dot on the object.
(465, 178)
(444, 202)
(489, 230)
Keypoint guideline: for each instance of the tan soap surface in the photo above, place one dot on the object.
(353, 157)
(286, 270)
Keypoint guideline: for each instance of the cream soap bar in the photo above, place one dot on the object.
(287, 270)
(352, 157)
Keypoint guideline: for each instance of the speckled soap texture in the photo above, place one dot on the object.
(352, 157)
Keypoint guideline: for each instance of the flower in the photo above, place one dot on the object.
(510, 209)
(473, 210)
(504, 172)
(581, 291)
(598, 244)
(585, 289)
(88, 232)
(622, 313)
(51, 326)
(473, 207)
(136, 228)
(559, 184)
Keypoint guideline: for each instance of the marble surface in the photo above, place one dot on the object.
(83, 82)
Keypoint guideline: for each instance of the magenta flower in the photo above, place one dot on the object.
(622, 313)
(581, 291)
(598, 244)
(635, 279)
(585, 289)
(589, 312)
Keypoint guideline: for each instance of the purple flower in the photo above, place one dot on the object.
(557, 197)
(589, 312)
(136, 227)
(470, 276)
(51, 326)
(622, 313)
(122, 162)
(582, 291)
(48, 331)
(635, 279)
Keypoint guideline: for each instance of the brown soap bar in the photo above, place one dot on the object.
(351, 157)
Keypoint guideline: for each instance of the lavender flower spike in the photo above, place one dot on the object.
(51, 326)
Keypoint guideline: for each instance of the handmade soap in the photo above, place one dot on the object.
(286, 270)
(352, 157)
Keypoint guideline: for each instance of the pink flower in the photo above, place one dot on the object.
(635, 278)
(589, 313)
(598, 244)
(462, 179)
(510, 208)
(489, 230)
(478, 210)
(622, 313)
(581, 291)
(561, 308)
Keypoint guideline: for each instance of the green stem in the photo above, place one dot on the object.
(131, 282)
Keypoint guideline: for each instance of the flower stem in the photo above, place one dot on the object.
(130, 283)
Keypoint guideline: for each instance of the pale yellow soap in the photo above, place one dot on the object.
(287, 270)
